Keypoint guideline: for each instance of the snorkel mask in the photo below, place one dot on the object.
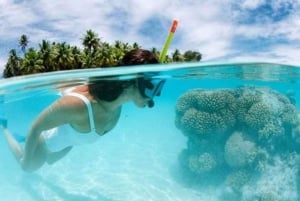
(149, 88)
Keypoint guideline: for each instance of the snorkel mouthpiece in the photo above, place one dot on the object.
(150, 103)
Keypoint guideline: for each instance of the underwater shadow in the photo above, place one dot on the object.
(29, 181)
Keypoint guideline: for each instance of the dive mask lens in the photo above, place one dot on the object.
(152, 88)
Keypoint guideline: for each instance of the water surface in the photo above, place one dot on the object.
(153, 154)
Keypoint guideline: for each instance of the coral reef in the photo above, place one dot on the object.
(202, 113)
(202, 163)
(237, 179)
(237, 133)
(238, 151)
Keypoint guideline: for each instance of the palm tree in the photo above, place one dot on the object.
(118, 44)
(77, 58)
(109, 57)
(32, 63)
(118, 50)
(64, 58)
(23, 42)
(177, 56)
(53, 56)
(136, 46)
(47, 55)
(13, 63)
(91, 41)
(192, 56)
(168, 59)
(87, 61)
(155, 51)
(6, 72)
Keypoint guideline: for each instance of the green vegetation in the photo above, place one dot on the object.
(53, 56)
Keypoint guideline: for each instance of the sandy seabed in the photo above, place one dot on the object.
(134, 162)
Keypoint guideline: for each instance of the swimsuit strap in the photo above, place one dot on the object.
(89, 108)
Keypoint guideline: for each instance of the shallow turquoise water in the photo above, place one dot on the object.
(142, 158)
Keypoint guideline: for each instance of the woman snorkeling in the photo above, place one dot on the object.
(83, 114)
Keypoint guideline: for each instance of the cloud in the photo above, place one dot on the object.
(251, 4)
(2, 64)
(287, 54)
(14, 18)
(261, 11)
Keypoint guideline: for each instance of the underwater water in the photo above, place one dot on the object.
(217, 132)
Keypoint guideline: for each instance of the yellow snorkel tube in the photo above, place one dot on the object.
(168, 41)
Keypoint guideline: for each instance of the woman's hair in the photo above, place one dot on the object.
(109, 90)
(137, 57)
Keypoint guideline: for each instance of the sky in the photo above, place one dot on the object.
(221, 30)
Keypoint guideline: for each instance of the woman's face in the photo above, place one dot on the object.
(136, 97)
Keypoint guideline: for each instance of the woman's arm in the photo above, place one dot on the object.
(60, 112)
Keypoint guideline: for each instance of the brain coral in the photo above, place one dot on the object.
(262, 111)
(258, 115)
(204, 112)
(267, 113)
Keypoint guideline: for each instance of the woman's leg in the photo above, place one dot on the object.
(13, 144)
(41, 155)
